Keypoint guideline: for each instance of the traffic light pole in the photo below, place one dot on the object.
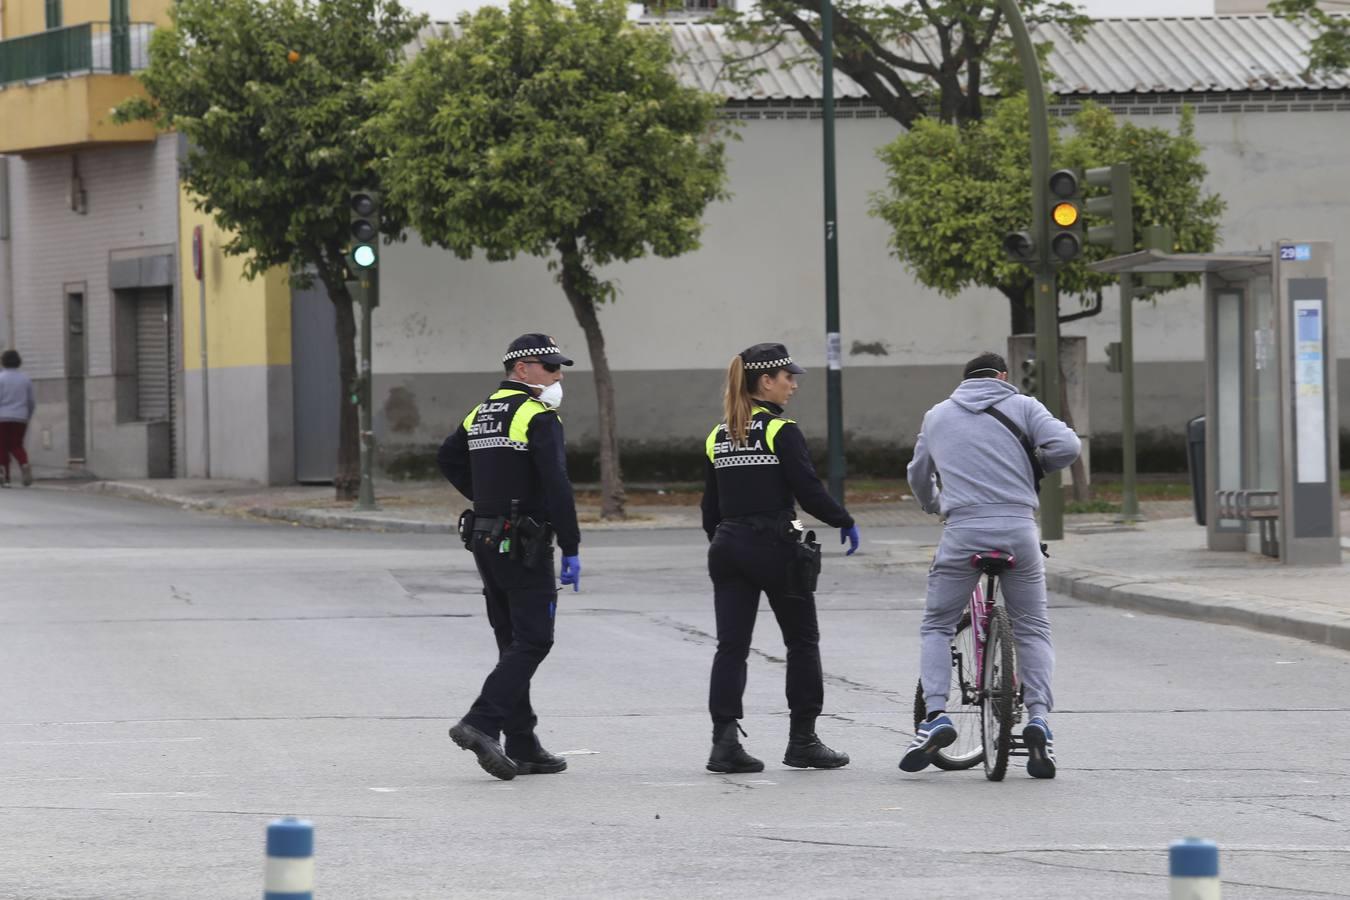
(1045, 291)
(370, 297)
(1129, 498)
(834, 385)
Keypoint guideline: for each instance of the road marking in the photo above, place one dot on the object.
(90, 743)
(158, 794)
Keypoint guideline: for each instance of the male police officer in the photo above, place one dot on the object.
(508, 459)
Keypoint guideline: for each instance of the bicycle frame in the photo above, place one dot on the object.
(980, 608)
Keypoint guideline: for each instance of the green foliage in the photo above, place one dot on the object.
(545, 127)
(274, 138)
(915, 58)
(1330, 50)
(954, 192)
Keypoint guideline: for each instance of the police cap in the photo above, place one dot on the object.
(535, 346)
(768, 357)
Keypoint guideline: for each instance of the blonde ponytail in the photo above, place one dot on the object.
(736, 403)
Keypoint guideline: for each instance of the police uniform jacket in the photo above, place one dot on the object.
(762, 476)
(510, 447)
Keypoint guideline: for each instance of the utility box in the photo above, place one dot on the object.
(1073, 366)
(1271, 430)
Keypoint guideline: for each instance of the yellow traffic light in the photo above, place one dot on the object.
(1065, 215)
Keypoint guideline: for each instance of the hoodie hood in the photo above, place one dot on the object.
(978, 394)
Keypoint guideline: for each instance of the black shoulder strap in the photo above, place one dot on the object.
(1037, 473)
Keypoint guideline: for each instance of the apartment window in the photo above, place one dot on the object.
(53, 13)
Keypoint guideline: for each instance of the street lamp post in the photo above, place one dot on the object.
(834, 393)
(1043, 286)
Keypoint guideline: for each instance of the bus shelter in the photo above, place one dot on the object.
(1272, 450)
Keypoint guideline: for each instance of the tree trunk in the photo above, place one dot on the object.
(578, 284)
(347, 477)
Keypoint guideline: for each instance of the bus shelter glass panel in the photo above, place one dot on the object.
(1266, 382)
(1228, 372)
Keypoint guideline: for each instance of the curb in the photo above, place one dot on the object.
(339, 521)
(1256, 614)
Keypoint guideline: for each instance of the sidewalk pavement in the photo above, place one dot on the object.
(1159, 565)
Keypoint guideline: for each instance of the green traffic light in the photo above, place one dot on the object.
(364, 256)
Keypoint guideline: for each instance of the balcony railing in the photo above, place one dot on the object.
(90, 47)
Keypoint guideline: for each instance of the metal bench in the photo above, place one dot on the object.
(1262, 507)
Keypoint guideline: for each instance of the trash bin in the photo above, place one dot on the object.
(1195, 463)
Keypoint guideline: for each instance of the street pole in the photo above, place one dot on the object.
(370, 297)
(1129, 498)
(834, 386)
(1045, 293)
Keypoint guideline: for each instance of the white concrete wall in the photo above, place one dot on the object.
(759, 276)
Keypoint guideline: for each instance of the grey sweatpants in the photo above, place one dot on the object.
(1022, 588)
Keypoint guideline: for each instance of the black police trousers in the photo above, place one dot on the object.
(744, 562)
(520, 609)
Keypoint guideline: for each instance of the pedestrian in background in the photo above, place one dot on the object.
(16, 410)
(757, 463)
(508, 458)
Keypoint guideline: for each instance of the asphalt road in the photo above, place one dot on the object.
(171, 681)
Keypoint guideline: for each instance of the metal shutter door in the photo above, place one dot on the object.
(152, 357)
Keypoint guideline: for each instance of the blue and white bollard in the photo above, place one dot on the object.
(290, 860)
(1194, 865)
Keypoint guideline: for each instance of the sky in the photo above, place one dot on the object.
(448, 9)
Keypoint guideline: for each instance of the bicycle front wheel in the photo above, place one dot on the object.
(964, 709)
(998, 695)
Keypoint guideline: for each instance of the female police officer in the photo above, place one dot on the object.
(757, 463)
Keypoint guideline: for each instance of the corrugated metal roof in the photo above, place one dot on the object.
(1115, 56)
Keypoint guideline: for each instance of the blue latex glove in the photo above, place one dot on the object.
(571, 572)
(850, 534)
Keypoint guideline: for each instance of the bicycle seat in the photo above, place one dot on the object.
(993, 562)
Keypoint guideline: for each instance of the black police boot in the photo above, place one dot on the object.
(490, 754)
(728, 756)
(805, 751)
(531, 758)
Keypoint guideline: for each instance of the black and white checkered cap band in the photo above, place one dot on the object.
(771, 364)
(538, 351)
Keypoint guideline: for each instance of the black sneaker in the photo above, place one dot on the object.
(1040, 748)
(805, 751)
(489, 752)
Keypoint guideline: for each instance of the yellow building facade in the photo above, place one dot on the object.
(141, 369)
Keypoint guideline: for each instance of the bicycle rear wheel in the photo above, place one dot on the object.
(998, 695)
(967, 750)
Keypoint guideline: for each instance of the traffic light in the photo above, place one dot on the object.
(1159, 237)
(1117, 208)
(1066, 216)
(1028, 377)
(365, 230)
(1113, 363)
(1020, 246)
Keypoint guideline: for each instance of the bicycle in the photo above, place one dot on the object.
(985, 658)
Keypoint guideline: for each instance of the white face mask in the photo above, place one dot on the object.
(551, 396)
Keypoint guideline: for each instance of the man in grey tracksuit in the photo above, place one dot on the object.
(988, 499)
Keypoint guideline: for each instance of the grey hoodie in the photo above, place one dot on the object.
(981, 463)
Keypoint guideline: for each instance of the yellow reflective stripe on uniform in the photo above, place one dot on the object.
(775, 425)
(520, 422)
(712, 440)
(468, 420)
(772, 432)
